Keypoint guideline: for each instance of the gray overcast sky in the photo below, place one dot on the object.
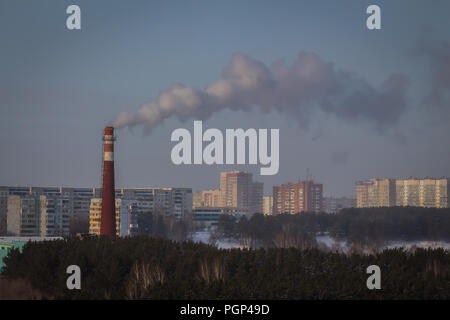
(59, 88)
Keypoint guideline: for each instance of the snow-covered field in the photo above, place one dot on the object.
(204, 236)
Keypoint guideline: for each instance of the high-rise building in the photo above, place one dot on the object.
(267, 205)
(304, 196)
(362, 193)
(375, 193)
(37, 215)
(431, 193)
(23, 217)
(79, 198)
(54, 216)
(238, 190)
(428, 192)
(167, 201)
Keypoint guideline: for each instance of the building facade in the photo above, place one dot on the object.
(209, 216)
(37, 216)
(293, 198)
(428, 192)
(76, 203)
(238, 190)
(268, 205)
(207, 198)
(55, 216)
(95, 212)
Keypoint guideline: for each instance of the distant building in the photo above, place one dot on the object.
(267, 205)
(207, 198)
(23, 218)
(238, 190)
(428, 192)
(335, 204)
(129, 211)
(37, 215)
(362, 193)
(55, 216)
(79, 198)
(304, 196)
(76, 203)
(209, 216)
(95, 213)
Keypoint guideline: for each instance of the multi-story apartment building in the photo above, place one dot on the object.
(23, 218)
(428, 192)
(77, 201)
(95, 212)
(54, 216)
(362, 193)
(267, 205)
(238, 190)
(79, 198)
(375, 193)
(207, 198)
(431, 193)
(304, 196)
(37, 215)
(165, 201)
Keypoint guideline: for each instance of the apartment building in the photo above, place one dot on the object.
(428, 192)
(37, 216)
(293, 198)
(238, 190)
(207, 198)
(268, 205)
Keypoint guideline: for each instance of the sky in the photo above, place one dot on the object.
(350, 103)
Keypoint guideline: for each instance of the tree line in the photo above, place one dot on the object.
(364, 225)
(144, 267)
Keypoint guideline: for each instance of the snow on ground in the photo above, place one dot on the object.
(204, 235)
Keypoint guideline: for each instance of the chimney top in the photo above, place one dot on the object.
(109, 131)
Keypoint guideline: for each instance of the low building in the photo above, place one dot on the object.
(8, 243)
(209, 216)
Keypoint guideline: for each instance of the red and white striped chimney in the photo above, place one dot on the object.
(108, 217)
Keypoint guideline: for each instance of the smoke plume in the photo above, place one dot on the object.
(292, 90)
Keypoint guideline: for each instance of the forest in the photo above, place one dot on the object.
(145, 267)
(368, 226)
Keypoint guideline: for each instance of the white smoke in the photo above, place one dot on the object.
(290, 90)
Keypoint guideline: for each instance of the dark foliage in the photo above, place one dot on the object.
(153, 268)
(366, 225)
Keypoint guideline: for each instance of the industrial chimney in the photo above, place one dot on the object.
(108, 217)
